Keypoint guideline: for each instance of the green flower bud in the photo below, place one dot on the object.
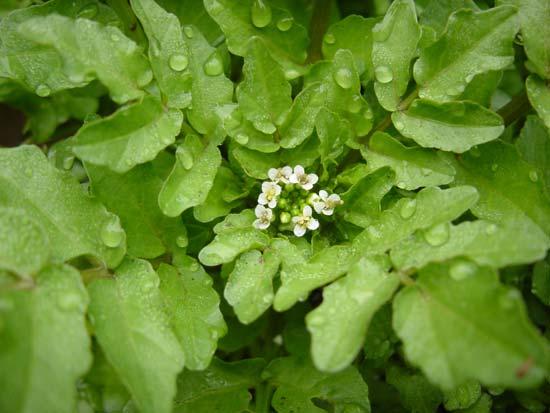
(282, 203)
(285, 217)
(295, 211)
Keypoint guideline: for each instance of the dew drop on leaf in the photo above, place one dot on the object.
(213, 65)
(285, 23)
(112, 233)
(437, 235)
(383, 74)
(461, 270)
(188, 30)
(115, 38)
(260, 13)
(43, 90)
(329, 38)
(89, 11)
(343, 78)
(184, 157)
(178, 62)
(398, 124)
(408, 209)
(182, 241)
(291, 74)
(533, 176)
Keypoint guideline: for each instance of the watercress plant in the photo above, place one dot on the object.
(275, 206)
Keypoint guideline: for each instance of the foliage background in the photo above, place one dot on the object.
(131, 278)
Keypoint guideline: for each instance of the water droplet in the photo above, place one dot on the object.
(145, 78)
(398, 124)
(115, 38)
(285, 24)
(182, 241)
(291, 74)
(344, 78)
(268, 298)
(68, 162)
(188, 30)
(408, 208)
(242, 138)
(112, 233)
(475, 152)
(154, 47)
(461, 270)
(437, 235)
(184, 157)
(355, 104)
(329, 38)
(89, 11)
(70, 302)
(43, 90)
(213, 65)
(491, 229)
(178, 62)
(260, 13)
(494, 167)
(383, 74)
(533, 176)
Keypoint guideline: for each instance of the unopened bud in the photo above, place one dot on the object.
(285, 217)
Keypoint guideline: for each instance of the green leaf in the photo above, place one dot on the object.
(297, 280)
(509, 188)
(452, 126)
(534, 32)
(193, 308)
(541, 281)
(483, 405)
(192, 176)
(473, 43)
(430, 207)
(339, 325)
(333, 133)
(416, 393)
(44, 344)
(75, 223)
(414, 167)
(133, 197)
(89, 50)
(362, 201)
(129, 322)
(264, 95)
(222, 387)
(353, 33)
(437, 12)
(482, 241)
(298, 383)
(234, 235)
(394, 46)
(24, 245)
(192, 12)
(538, 92)
(168, 52)
(35, 65)
(255, 164)
(222, 198)
(249, 289)
(131, 136)
(210, 88)
(441, 315)
(463, 396)
(236, 20)
(482, 87)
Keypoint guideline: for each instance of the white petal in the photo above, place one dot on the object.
(299, 230)
(272, 203)
(307, 211)
(257, 224)
(278, 189)
(307, 186)
(313, 178)
(334, 198)
(313, 224)
(268, 213)
(259, 210)
(328, 211)
(296, 219)
(293, 179)
(262, 200)
(273, 173)
(286, 171)
(318, 206)
(263, 225)
(323, 194)
(299, 170)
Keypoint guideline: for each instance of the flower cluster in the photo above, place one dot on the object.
(288, 198)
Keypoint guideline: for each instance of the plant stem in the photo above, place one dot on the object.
(317, 28)
(263, 398)
(515, 109)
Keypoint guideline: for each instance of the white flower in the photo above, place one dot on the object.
(304, 222)
(270, 192)
(280, 174)
(264, 216)
(326, 203)
(300, 177)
